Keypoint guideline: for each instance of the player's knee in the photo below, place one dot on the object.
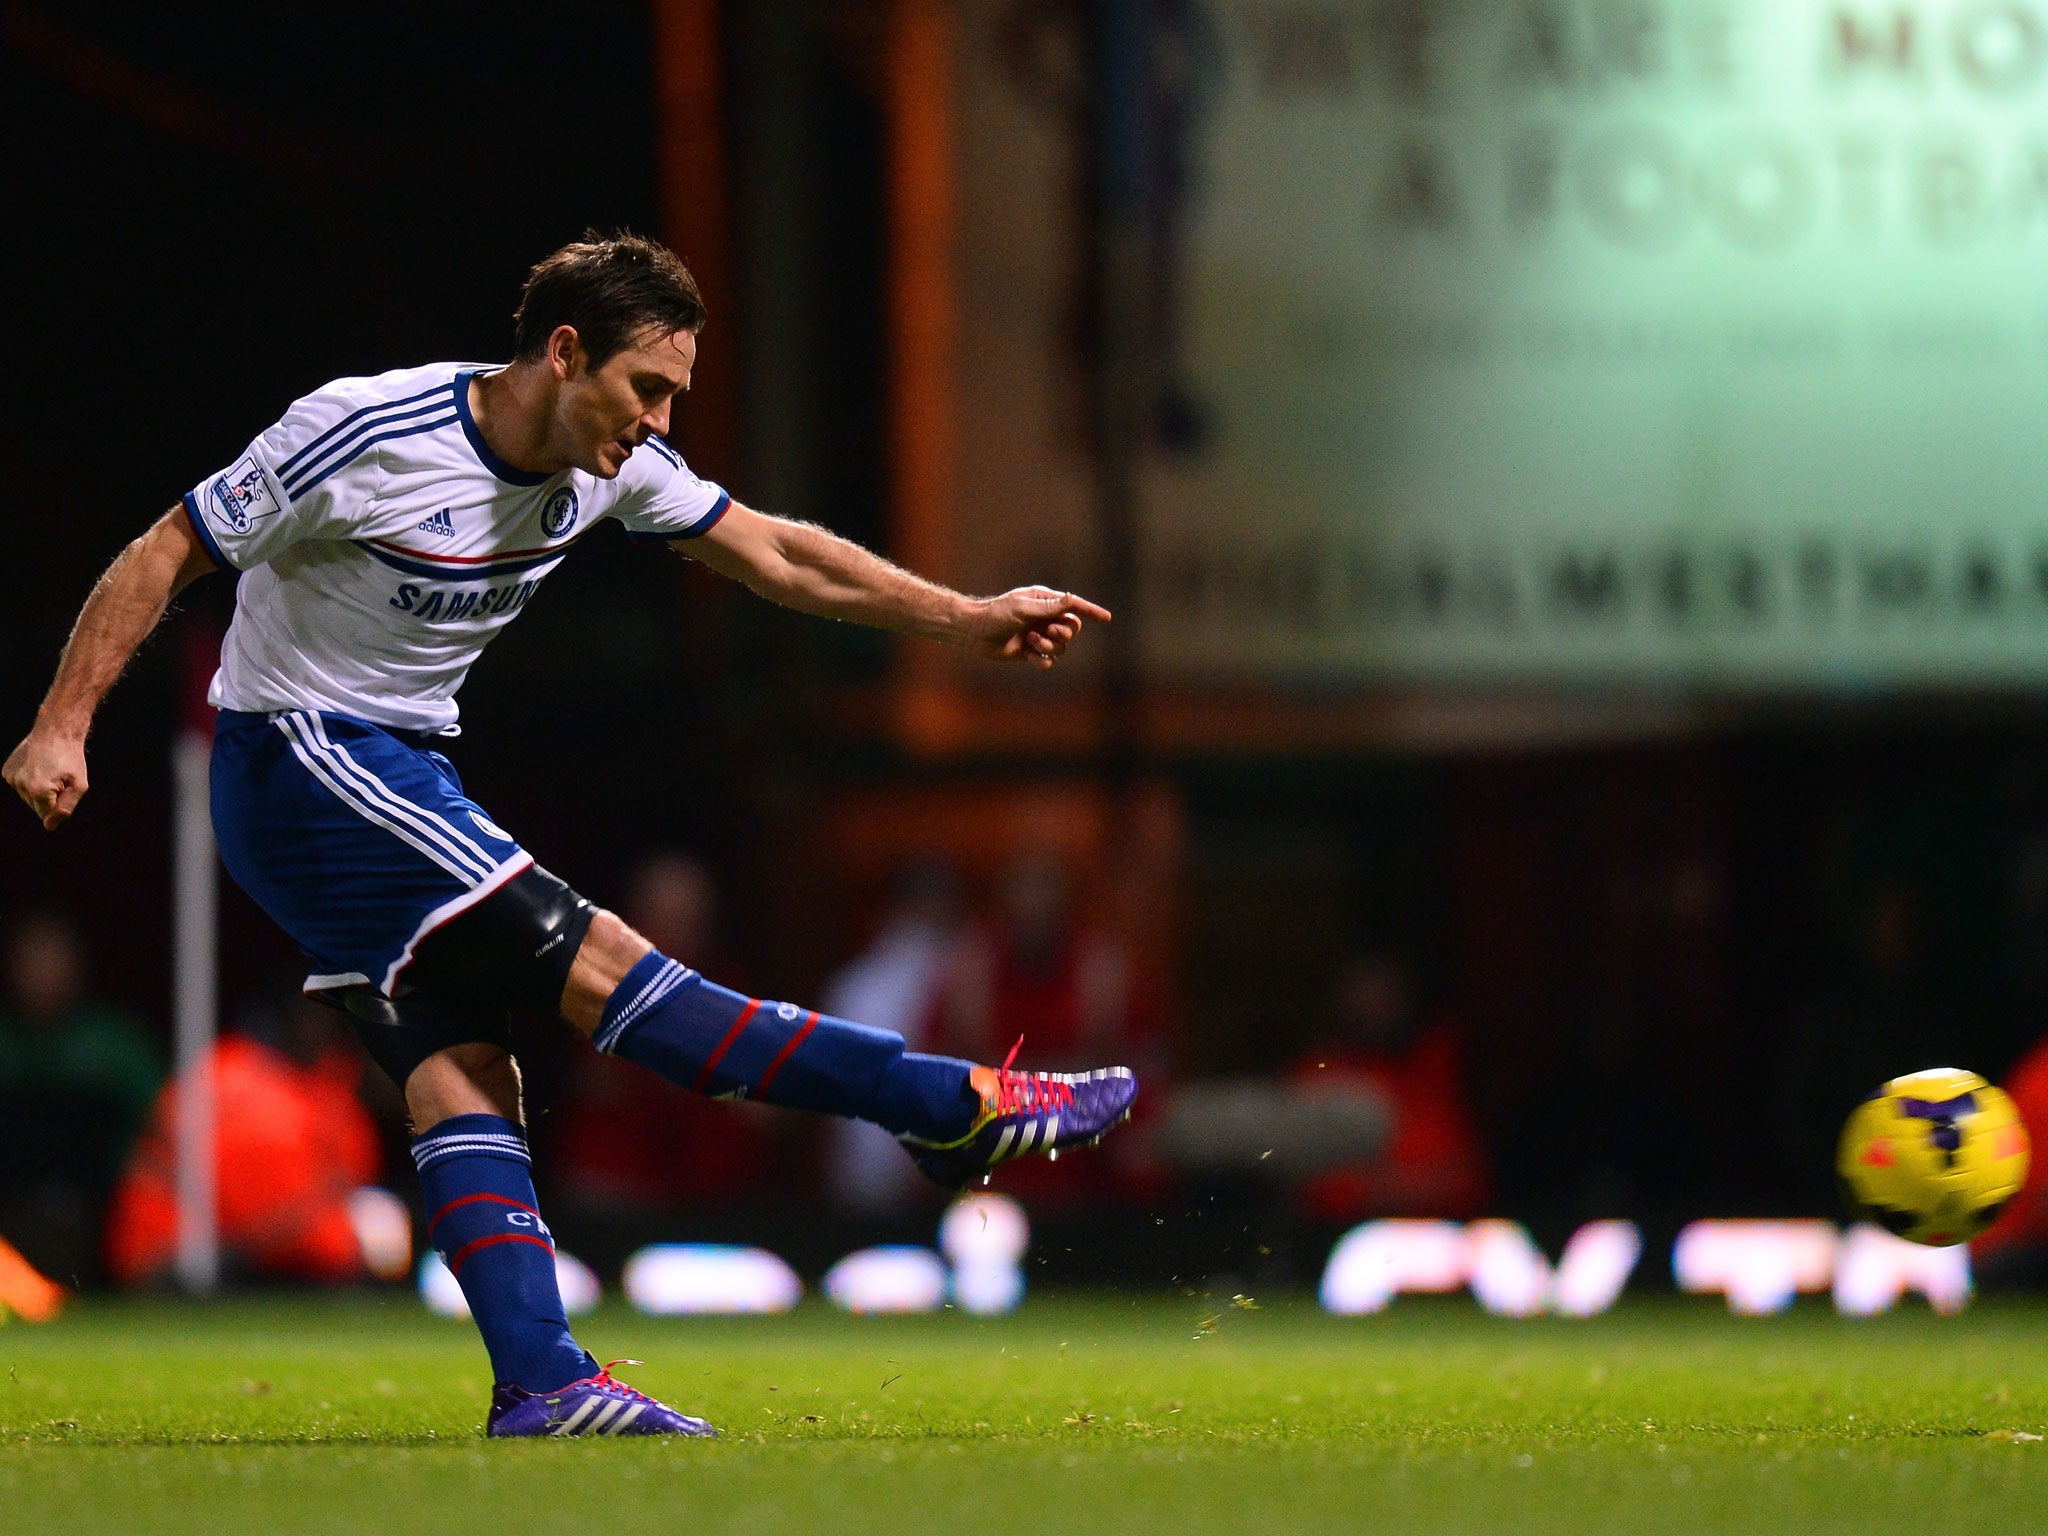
(611, 946)
(514, 949)
(610, 949)
(462, 1080)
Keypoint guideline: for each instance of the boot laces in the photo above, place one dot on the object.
(1029, 1092)
(605, 1378)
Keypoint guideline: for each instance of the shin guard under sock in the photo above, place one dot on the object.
(484, 1221)
(667, 1018)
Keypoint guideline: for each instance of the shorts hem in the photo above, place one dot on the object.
(448, 911)
(334, 981)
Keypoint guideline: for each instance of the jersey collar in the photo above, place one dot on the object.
(491, 461)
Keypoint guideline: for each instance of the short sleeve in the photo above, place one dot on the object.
(302, 479)
(666, 501)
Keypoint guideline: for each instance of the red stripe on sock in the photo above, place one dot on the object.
(461, 1255)
(739, 1028)
(785, 1053)
(456, 1205)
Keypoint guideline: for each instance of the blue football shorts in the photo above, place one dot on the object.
(356, 839)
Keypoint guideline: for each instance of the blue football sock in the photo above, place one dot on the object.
(484, 1221)
(672, 1021)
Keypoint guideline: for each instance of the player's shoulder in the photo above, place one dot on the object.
(378, 392)
(650, 474)
(655, 463)
(339, 423)
(659, 497)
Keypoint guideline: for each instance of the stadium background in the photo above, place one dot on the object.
(1650, 902)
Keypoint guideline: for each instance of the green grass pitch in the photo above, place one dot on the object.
(1114, 1416)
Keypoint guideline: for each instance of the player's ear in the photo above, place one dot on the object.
(565, 352)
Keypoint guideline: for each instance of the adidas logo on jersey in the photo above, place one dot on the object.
(442, 522)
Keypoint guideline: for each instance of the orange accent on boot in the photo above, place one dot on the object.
(983, 1081)
(1005, 1091)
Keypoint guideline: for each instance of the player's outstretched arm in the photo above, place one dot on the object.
(48, 769)
(808, 568)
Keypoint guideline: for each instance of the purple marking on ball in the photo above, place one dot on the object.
(1944, 1115)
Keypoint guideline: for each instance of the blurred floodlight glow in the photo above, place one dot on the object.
(1373, 1263)
(1596, 1265)
(1509, 1276)
(679, 1279)
(1507, 1272)
(1874, 1269)
(984, 1229)
(442, 1292)
(893, 1278)
(1758, 1265)
(577, 1282)
(383, 1228)
(988, 1289)
(986, 1237)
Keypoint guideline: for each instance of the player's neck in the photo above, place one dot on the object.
(512, 410)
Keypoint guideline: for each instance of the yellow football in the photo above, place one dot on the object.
(1933, 1156)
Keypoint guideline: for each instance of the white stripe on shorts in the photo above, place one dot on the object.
(370, 790)
(377, 787)
(406, 831)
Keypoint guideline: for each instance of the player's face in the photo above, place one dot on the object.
(605, 413)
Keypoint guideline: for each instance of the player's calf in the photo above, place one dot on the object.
(957, 1120)
(484, 1220)
(486, 1225)
(725, 1045)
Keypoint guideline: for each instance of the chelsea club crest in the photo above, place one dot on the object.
(559, 515)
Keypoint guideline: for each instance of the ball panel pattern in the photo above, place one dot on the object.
(1933, 1156)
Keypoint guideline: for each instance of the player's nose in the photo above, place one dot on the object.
(657, 419)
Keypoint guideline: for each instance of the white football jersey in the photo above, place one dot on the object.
(384, 544)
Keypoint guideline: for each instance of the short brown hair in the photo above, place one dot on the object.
(611, 288)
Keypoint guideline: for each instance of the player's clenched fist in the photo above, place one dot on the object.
(49, 775)
(1033, 624)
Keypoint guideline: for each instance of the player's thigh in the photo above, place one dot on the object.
(357, 843)
(440, 1049)
(473, 1079)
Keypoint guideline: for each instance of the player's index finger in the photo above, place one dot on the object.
(1081, 605)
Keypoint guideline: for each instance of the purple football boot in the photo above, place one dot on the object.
(1027, 1112)
(596, 1405)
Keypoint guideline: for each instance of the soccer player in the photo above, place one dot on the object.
(385, 530)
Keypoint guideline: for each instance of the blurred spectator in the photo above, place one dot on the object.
(1432, 1164)
(624, 1140)
(892, 985)
(1072, 991)
(294, 1148)
(76, 1079)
